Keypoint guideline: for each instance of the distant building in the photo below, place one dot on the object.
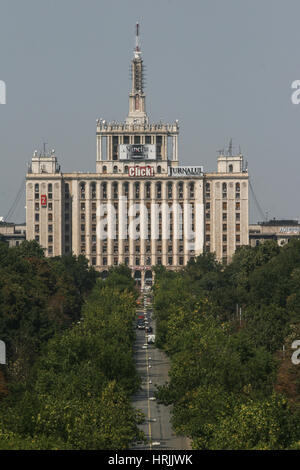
(282, 231)
(140, 207)
(14, 234)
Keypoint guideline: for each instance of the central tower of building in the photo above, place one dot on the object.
(135, 139)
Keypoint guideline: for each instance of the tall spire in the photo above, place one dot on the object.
(137, 106)
(137, 50)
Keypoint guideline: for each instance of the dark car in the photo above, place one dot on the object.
(140, 324)
(149, 329)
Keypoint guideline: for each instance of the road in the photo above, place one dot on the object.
(153, 366)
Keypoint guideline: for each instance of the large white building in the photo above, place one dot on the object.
(140, 207)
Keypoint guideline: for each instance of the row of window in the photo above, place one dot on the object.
(104, 261)
(136, 191)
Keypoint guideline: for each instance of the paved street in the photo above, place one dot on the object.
(153, 365)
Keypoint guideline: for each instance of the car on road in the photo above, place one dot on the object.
(149, 329)
(151, 339)
(140, 324)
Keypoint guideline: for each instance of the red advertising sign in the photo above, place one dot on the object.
(142, 171)
(43, 200)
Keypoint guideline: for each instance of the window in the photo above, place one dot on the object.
(159, 169)
(104, 261)
(104, 169)
(37, 206)
(148, 190)
(181, 260)
(93, 190)
(36, 188)
(148, 139)
(115, 169)
(224, 206)
(115, 190)
(230, 168)
(115, 142)
(158, 190)
(50, 217)
(137, 190)
(37, 238)
(50, 250)
(192, 190)
(82, 190)
(170, 260)
(224, 227)
(50, 228)
(207, 227)
(237, 227)
(104, 190)
(137, 139)
(94, 261)
(37, 217)
(207, 189)
(237, 206)
(180, 190)
(50, 238)
(126, 139)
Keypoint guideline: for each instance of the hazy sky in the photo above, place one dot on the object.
(224, 68)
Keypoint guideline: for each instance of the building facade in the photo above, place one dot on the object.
(140, 207)
(282, 231)
(13, 234)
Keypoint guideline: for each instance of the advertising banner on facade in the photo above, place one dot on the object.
(43, 200)
(142, 171)
(137, 152)
(183, 171)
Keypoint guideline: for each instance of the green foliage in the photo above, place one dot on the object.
(76, 391)
(226, 369)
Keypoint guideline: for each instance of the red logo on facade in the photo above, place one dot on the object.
(43, 200)
(141, 171)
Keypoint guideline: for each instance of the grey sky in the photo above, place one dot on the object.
(224, 68)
